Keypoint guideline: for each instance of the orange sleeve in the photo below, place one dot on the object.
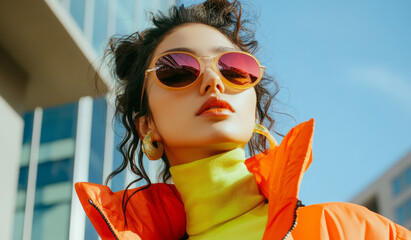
(345, 221)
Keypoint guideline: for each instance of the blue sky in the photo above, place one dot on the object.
(347, 64)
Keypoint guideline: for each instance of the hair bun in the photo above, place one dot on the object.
(223, 8)
(216, 5)
(125, 54)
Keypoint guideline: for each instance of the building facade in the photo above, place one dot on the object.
(390, 195)
(55, 130)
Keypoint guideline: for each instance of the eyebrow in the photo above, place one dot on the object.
(214, 50)
(223, 49)
(183, 49)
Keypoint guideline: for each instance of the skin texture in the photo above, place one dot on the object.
(187, 137)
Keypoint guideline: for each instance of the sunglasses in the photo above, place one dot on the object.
(178, 70)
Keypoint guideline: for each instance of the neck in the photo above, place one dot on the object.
(184, 154)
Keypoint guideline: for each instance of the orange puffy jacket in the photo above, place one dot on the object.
(158, 212)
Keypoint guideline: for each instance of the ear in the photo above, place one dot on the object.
(144, 124)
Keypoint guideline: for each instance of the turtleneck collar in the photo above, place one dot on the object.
(215, 190)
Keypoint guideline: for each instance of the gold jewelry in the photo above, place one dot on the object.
(260, 129)
(149, 149)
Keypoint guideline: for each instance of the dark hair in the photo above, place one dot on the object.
(132, 54)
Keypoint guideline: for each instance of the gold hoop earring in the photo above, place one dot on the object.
(260, 129)
(149, 149)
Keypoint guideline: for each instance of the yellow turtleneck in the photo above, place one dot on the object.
(221, 198)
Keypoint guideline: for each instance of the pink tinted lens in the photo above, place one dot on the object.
(177, 69)
(239, 68)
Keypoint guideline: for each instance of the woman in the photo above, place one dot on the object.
(193, 93)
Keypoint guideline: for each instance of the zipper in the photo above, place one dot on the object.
(104, 217)
(185, 237)
(299, 204)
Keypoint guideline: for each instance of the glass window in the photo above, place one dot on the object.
(123, 179)
(403, 212)
(90, 231)
(400, 214)
(408, 211)
(55, 173)
(408, 177)
(98, 132)
(59, 123)
(401, 182)
(18, 221)
(100, 26)
(125, 18)
(396, 186)
(28, 127)
(51, 221)
(77, 8)
(117, 183)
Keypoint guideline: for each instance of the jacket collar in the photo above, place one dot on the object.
(278, 173)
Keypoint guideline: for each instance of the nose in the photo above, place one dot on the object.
(211, 82)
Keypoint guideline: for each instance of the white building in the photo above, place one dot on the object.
(52, 131)
(390, 195)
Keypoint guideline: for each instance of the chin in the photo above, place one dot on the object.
(227, 139)
(231, 132)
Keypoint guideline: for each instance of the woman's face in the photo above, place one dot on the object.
(186, 133)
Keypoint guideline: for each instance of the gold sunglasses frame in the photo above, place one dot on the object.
(214, 65)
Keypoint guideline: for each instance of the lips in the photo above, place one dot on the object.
(215, 103)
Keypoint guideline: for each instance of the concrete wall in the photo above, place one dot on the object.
(41, 64)
(13, 81)
(11, 128)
